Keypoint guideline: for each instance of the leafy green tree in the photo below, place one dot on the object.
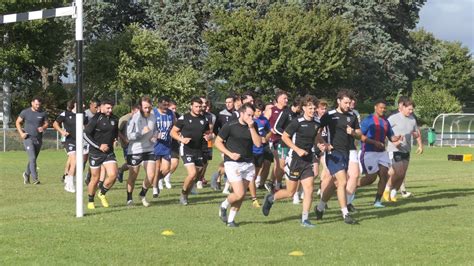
(288, 48)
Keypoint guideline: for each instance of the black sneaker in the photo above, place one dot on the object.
(349, 220)
(183, 200)
(26, 178)
(267, 204)
(223, 214)
(269, 187)
(63, 178)
(351, 208)
(232, 224)
(36, 182)
(319, 214)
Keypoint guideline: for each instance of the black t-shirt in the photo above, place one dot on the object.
(238, 139)
(101, 129)
(303, 134)
(193, 127)
(337, 124)
(285, 118)
(68, 121)
(223, 117)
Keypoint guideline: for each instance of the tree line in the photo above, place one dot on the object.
(212, 48)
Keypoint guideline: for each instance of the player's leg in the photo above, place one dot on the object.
(150, 171)
(157, 176)
(94, 179)
(189, 179)
(352, 176)
(308, 187)
(132, 177)
(111, 168)
(71, 172)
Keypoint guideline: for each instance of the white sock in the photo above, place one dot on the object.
(257, 180)
(393, 193)
(155, 190)
(304, 216)
(387, 188)
(225, 204)
(321, 205)
(227, 186)
(402, 187)
(344, 212)
(231, 216)
(167, 177)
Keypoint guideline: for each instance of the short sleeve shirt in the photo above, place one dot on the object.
(337, 134)
(33, 120)
(237, 139)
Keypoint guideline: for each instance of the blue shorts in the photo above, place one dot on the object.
(337, 161)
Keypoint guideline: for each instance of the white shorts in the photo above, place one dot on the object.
(370, 161)
(354, 156)
(238, 171)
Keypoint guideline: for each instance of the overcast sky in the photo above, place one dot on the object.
(450, 20)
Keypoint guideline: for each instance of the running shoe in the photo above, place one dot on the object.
(319, 214)
(156, 192)
(232, 224)
(144, 202)
(223, 214)
(349, 220)
(36, 182)
(307, 224)
(351, 208)
(26, 178)
(63, 178)
(267, 204)
(167, 183)
(160, 184)
(269, 187)
(214, 181)
(256, 204)
(90, 205)
(120, 175)
(129, 202)
(199, 185)
(406, 194)
(183, 200)
(386, 196)
(378, 204)
(296, 199)
(103, 200)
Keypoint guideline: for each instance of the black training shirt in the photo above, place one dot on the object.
(101, 129)
(193, 127)
(238, 139)
(337, 124)
(68, 121)
(303, 134)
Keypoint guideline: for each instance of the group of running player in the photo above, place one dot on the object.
(250, 135)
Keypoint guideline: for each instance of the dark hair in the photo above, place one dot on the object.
(246, 94)
(173, 102)
(94, 101)
(145, 99)
(309, 99)
(106, 101)
(244, 107)
(323, 102)
(405, 101)
(163, 99)
(37, 98)
(297, 101)
(343, 93)
(379, 101)
(280, 93)
(136, 106)
(402, 99)
(70, 105)
(231, 96)
(259, 104)
(196, 99)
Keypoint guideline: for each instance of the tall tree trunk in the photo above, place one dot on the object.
(7, 97)
(44, 78)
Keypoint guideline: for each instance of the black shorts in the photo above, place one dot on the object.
(207, 154)
(137, 159)
(258, 160)
(96, 159)
(298, 169)
(401, 156)
(174, 150)
(70, 147)
(195, 158)
(267, 153)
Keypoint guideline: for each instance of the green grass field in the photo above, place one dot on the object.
(38, 224)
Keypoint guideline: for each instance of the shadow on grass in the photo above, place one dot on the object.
(381, 213)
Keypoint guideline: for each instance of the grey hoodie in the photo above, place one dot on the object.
(139, 142)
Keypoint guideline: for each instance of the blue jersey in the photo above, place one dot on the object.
(164, 123)
(376, 128)
(263, 128)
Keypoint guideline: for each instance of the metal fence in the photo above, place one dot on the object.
(10, 140)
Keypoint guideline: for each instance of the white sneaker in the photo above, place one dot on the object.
(145, 202)
(199, 185)
(69, 184)
(160, 184)
(129, 202)
(296, 198)
(406, 194)
(257, 181)
(167, 184)
(318, 192)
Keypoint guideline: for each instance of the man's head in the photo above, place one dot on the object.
(322, 107)
(344, 98)
(407, 107)
(246, 112)
(247, 97)
(135, 108)
(229, 102)
(296, 105)
(205, 101)
(353, 104)
(259, 108)
(36, 103)
(163, 103)
(106, 107)
(281, 99)
(309, 103)
(94, 106)
(145, 106)
(196, 104)
(70, 105)
(173, 105)
(379, 107)
(237, 102)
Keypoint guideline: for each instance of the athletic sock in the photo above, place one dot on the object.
(304, 216)
(155, 190)
(378, 197)
(91, 198)
(393, 193)
(129, 196)
(403, 189)
(344, 212)
(100, 184)
(143, 192)
(184, 192)
(103, 189)
(227, 186)
(321, 205)
(225, 204)
(231, 216)
(167, 177)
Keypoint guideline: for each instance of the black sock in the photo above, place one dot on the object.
(143, 192)
(100, 184)
(103, 189)
(129, 196)
(378, 197)
(91, 198)
(184, 192)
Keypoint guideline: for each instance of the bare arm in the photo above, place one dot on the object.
(18, 122)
